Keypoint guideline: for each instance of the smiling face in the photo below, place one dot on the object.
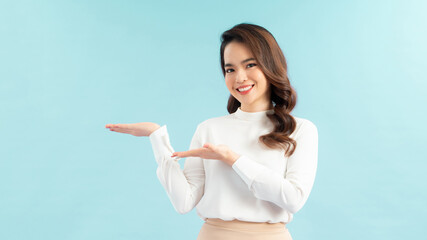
(242, 71)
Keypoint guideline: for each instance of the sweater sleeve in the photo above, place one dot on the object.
(184, 187)
(291, 189)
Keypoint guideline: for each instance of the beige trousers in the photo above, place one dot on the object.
(218, 229)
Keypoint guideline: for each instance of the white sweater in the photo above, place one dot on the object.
(261, 186)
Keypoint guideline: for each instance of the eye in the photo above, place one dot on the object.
(227, 70)
(251, 64)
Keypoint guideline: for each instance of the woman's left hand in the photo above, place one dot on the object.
(210, 151)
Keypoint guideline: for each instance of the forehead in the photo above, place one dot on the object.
(235, 51)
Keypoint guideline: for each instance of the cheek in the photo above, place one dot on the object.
(229, 84)
(261, 80)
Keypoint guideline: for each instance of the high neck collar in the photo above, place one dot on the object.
(252, 116)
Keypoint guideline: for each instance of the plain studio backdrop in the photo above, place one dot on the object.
(68, 68)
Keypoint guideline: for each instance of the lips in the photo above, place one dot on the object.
(245, 86)
(247, 91)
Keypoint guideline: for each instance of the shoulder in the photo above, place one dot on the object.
(304, 126)
(304, 122)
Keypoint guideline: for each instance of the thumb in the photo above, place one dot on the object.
(207, 145)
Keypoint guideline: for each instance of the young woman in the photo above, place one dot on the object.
(248, 172)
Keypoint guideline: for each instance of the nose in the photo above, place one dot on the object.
(241, 76)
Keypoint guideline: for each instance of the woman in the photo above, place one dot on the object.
(248, 172)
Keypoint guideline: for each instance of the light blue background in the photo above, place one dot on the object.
(67, 68)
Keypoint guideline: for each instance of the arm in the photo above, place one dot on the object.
(184, 187)
(290, 191)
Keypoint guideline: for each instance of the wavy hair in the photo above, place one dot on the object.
(272, 62)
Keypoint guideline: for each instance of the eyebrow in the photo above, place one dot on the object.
(246, 60)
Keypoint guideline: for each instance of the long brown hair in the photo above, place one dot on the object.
(272, 62)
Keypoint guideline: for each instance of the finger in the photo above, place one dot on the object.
(120, 130)
(123, 125)
(189, 153)
(118, 125)
(177, 154)
(210, 146)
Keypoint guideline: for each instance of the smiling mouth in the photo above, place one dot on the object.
(245, 90)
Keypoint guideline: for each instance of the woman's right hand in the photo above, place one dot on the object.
(136, 129)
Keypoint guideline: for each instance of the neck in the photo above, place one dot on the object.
(252, 116)
(257, 108)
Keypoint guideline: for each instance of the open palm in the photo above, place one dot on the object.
(208, 151)
(135, 129)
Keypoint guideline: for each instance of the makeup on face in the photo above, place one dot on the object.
(246, 89)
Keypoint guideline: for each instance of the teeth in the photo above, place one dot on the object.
(244, 89)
